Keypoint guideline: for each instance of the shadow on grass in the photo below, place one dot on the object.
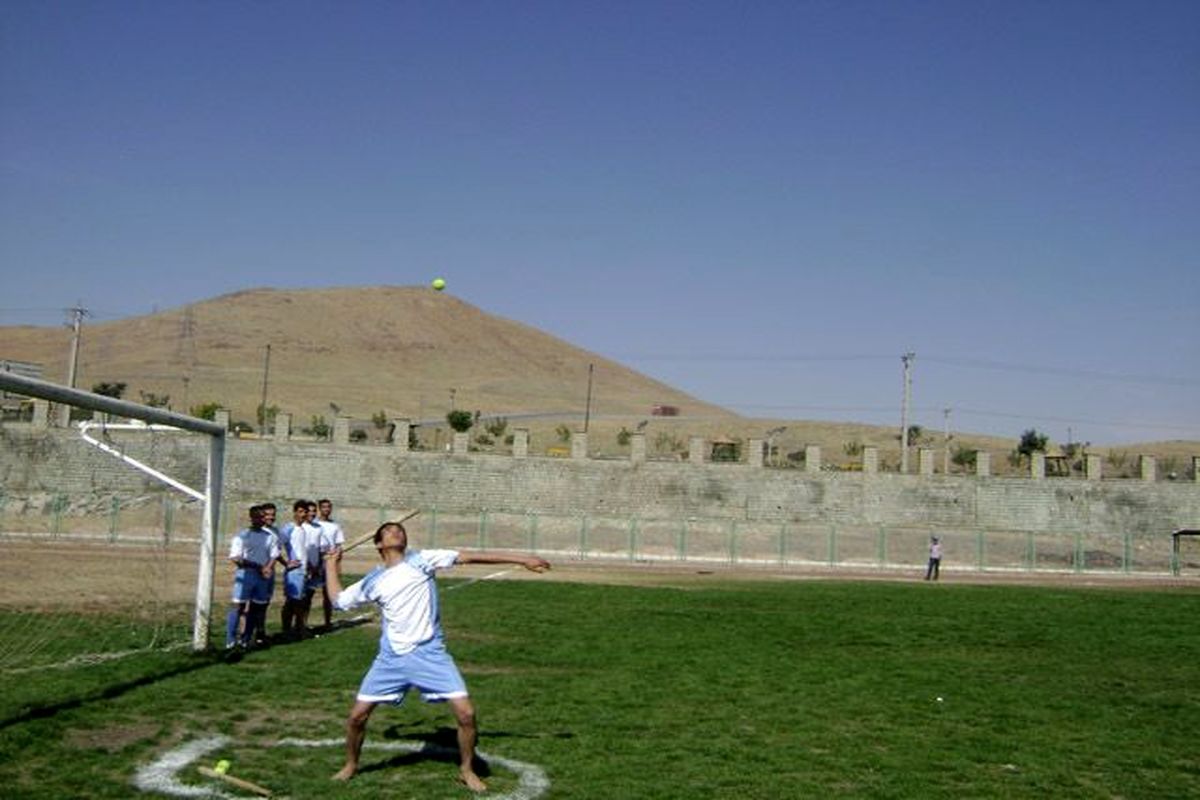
(192, 663)
(442, 745)
(196, 662)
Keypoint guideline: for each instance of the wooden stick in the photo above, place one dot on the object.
(232, 781)
(368, 537)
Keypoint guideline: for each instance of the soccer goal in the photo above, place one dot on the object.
(68, 504)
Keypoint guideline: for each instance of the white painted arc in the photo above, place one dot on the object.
(161, 776)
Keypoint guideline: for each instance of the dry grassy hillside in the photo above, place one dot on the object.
(401, 350)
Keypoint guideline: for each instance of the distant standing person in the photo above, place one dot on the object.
(412, 653)
(935, 559)
(336, 538)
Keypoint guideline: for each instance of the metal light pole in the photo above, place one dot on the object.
(907, 359)
(587, 413)
(77, 314)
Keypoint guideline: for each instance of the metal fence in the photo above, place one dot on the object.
(166, 519)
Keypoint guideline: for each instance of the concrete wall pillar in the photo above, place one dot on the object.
(870, 460)
(1149, 468)
(579, 445)
(1196, 469)
(637, 448)
(812, 458)
(221, 417)
(697, 450)
(754, 453)
(520, 443)
(401, 430)
(983, 463)
(462, 443)
(341, 430)
(283, 426)
(1092, 467)
(41, 413)
(1037, 466)
(925, 460)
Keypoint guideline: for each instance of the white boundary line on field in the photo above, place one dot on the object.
(473, 581)
(162, 775)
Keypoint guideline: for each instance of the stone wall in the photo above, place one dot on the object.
(41, 461)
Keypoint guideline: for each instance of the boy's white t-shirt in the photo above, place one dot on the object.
(407, 595)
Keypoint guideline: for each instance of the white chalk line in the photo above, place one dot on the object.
(474, 581)
(161, 776)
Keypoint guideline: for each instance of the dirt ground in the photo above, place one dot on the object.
(105, 575)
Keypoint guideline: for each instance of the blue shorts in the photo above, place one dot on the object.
(249, 586)
(293, 584)
(429, 669)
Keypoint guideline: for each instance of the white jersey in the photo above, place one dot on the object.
(256, 545)
(333, 532)
(407, 595)
(304, 543)
(316, 542)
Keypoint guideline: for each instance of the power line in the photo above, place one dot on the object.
(1065, 372)
(962, 363)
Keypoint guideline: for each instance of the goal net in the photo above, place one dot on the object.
(107, 530)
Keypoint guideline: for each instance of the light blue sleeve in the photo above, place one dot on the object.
(430, 561)
(360, 593)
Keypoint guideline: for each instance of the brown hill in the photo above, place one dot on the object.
(405, 351)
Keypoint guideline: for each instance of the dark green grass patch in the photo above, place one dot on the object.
(763, 690)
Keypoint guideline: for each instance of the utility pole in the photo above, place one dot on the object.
(587, 413)
(77, 314)
(946, 441)
(262, 408)
(907, 359)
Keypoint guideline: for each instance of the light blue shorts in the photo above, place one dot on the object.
(293, 584)
(429, 669)
(249, 586)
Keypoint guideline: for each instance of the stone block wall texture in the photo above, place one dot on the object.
(55, 461)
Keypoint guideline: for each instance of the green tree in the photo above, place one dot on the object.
(206, 410)
(318, 427)
(266, 415)
(624, 437)
(563, 432)
(114, 389)
(497, 427)
(1032, 442)
(460, 421)
(964, 456)
(154, 400)
(379, 419)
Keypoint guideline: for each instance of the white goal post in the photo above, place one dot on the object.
(31, 387)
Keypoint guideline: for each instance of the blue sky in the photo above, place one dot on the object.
(764, 204)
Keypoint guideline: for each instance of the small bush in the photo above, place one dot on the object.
(460, 421)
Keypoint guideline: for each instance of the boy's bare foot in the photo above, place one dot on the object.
(345, 773)
(472, 781)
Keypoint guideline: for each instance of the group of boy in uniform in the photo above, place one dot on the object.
(297, 549)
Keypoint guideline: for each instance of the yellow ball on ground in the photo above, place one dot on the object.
(222, 766)
(438, 284)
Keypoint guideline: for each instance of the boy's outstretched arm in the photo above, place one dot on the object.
(530, 562)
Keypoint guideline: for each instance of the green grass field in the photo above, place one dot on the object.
(747, 690)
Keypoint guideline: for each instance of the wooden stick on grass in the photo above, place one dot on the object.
(209, 772)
